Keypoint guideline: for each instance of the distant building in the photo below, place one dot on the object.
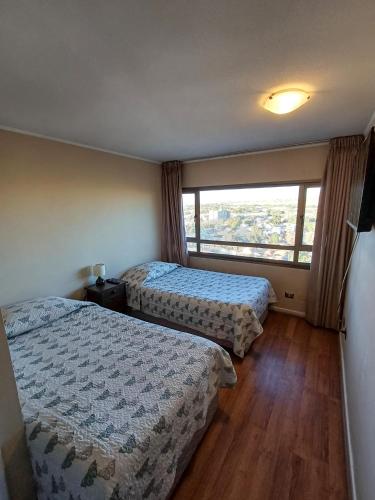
(223, 214)
(212, 215)
(218, 215)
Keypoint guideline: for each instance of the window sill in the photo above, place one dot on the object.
(252, 260)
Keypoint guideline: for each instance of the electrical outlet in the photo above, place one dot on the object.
(289, 295)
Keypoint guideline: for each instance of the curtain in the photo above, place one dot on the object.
(333, 236)
(174, 247)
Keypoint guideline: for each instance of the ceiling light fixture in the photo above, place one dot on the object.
(285, 101)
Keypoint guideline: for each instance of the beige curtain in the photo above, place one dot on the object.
(333, 236)
(173, 232)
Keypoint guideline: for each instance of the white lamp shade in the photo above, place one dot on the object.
(285, 101)
(99, 270)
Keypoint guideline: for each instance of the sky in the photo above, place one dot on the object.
(282, 193)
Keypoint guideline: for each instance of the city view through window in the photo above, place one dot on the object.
(264, 216)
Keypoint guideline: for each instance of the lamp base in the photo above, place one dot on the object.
(100, 281)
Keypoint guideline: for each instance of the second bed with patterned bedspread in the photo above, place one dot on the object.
(223, 306)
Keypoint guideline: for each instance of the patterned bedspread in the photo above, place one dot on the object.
(109, 401)
(224, 306)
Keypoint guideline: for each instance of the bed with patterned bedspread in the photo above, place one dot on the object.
(109, 402)
(227, 307)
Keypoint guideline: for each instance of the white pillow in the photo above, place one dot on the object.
(136, 276)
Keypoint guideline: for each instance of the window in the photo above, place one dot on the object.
(189, 214)
(273, 223)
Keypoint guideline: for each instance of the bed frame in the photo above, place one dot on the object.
(189, 450)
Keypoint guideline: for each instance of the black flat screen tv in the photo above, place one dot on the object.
(361, 215)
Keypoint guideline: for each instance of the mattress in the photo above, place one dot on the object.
(226, 307)
(110, 402)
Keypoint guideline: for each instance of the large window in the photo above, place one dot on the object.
(270, 222)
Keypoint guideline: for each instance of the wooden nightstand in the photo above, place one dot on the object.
(109, 295)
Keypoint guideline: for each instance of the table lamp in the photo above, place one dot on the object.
(99, 272)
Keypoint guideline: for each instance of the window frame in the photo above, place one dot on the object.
(300, 220)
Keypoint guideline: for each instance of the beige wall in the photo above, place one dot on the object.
(359, 365)
(15, 465)
(299, 164)
(63, 208)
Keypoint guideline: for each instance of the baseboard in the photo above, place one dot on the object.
(292, 312)
(347, 433)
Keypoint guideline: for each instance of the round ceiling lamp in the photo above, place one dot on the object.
(285, 101)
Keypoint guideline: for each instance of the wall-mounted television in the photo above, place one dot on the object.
(361, 215)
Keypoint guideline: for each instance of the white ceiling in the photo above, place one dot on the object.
(183, 79)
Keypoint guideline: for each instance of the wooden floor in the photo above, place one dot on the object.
(279, 433)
